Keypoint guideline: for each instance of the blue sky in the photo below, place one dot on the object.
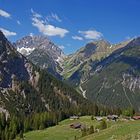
(71, 23)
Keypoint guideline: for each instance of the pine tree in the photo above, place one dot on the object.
(92, 117)
(21, 134)
(96, 110)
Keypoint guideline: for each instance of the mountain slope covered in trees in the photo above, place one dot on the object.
(24, 85)
(116, 82)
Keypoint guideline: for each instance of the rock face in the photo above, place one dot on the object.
(42, 52)
(12, 63)
(25, 88)
(116, 81)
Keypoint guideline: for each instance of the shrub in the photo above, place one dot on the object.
(92, 117)
(91, 129)
(103, 124)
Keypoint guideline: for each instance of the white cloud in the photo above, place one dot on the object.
(77, 38)
(61, 47)
(91, 34)
(35, 14)
(47, 29)
(56, 17)
(53, 17)
(7, 33)
(4, 14)
(18, 22)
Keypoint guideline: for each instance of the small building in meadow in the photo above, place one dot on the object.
(76, 125)
(74, 117)
(98, 118)
(112, 117)
(136, 117)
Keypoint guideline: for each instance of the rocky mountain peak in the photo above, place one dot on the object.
(28, 44)
(100, 43)
(96, 46)
(42, 52)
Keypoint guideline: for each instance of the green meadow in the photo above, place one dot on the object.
(120, 130)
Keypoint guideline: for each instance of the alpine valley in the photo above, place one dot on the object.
(108, 74)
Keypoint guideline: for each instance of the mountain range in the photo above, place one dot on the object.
(34, 71)
(102, 72)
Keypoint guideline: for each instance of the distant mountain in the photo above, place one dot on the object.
(42, 52)
(77, 65)
(116, 81)
(80, 66)
(25, 88)
(75, 68)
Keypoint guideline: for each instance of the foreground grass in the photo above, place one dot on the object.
(116, 131)
(61, 131)
(120, 131)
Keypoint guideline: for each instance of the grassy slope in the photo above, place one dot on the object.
(61, 131)
(121, 131)
(118, 131)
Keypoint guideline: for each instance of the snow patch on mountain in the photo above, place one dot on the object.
(25, 51)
